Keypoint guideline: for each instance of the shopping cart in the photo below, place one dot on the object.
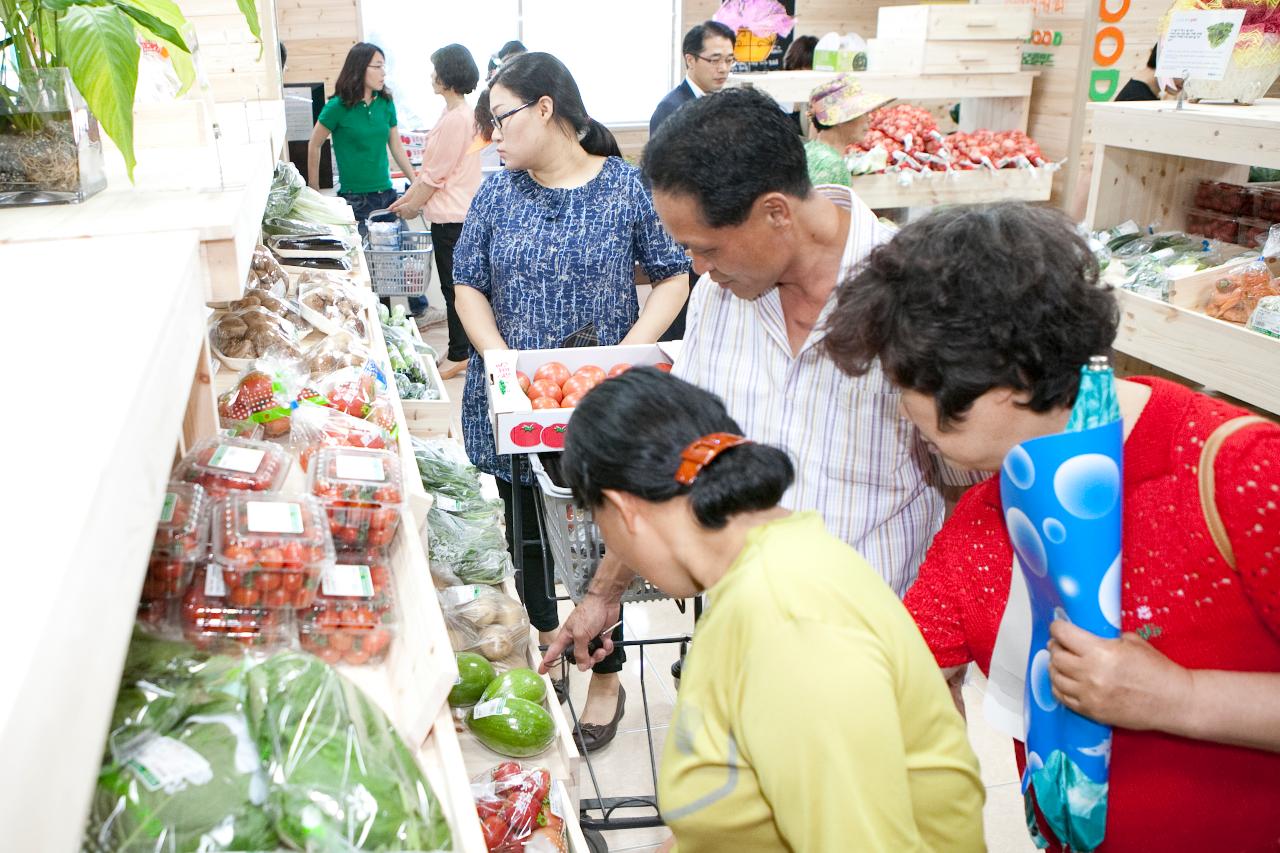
(571, 541)
(399, 260)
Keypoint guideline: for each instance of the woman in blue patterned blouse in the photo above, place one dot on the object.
(549, 248)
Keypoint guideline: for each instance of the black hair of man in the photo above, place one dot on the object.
(696, 39)
(725, 151)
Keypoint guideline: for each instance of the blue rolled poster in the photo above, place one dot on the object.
(1061, 496)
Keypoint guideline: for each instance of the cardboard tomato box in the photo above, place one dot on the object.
(517, 426)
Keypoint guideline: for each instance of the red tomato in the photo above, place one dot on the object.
(570, 401)
(505, 769)
(595, 374)
(545, 388)
(665, 368)
(618, 369)
(495, 831)
(553, 436)
(523, 379)
(526, 434)
(546, 403)
(553, 371)
(243, 596)
(577, 385)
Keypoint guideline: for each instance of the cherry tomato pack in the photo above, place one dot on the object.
(272, 549)
(363, 495)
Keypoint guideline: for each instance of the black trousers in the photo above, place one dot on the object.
(539, 576)
(444, 236)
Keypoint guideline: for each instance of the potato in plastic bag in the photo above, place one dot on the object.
(484, 620)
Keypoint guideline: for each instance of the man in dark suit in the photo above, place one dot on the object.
(708, 56)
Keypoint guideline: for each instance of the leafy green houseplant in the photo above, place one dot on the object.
(97, 42)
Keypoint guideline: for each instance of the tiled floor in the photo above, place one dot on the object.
(623, 767)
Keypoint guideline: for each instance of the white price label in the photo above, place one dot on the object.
(360, 468)
(271, 517)
(170, 504)
(162, 763)
(344, 580)
(490, 709)
(447, 503)
(458, 595)
(558, 798)
(214, 586)
(246, 460)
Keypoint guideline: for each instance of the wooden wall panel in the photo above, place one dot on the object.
(318, 35)
(236, 66)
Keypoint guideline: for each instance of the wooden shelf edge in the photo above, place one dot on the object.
(1223, 356)
(934, 188)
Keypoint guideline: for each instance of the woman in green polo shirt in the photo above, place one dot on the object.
(361, 118)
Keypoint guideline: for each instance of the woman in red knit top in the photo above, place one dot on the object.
(985, 317)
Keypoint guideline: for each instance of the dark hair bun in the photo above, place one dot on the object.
(746, 478)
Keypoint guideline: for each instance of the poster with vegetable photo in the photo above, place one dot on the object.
(1061, 497)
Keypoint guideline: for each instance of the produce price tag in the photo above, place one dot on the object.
(162, 763)
(269, 517)
(214, 586)
(359, 468)
(1199, 44)
(447, 503)
(557, 799)
(347, 581)
(246, 460)
(490, 709)
(170, 504)
(458, 595)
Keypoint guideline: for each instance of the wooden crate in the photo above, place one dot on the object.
(429, 418)
(900, 56)
(954, 22)
(932, 188)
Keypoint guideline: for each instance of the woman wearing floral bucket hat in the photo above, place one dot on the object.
(838, 115)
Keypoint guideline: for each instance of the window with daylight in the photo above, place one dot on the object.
(620, 53)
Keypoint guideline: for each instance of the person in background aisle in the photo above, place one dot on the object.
(731, 184)
(447, 182)
(838, 111)
(799, 56)
(546, 257)
(708, 56)
(509, 50)
(1143, 86)
(361, 118)
(745, 768)
(984, 317)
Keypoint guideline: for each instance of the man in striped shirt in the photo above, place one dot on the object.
(731, 184)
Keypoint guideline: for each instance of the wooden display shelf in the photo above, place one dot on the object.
(94, 467)
(227, 221)
(429, 418)
(1223, 356)
(933, 188)
(1241, 135)
(794, 87)
(992, 101)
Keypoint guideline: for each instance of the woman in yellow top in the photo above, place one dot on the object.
(810, 715)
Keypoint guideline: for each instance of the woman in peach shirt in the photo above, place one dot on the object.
(447, 181)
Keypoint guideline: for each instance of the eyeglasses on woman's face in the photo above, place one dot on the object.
(497, 120)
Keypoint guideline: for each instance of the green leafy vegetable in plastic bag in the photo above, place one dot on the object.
(341, 778)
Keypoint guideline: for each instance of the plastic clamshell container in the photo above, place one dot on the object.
(353, 620)
(181, 543)
(223, 465)
(212, 623)
(362, 492)
(1215, 226)
(1223, 197)
(1266, 202)
(272, 549)
(1253, 232)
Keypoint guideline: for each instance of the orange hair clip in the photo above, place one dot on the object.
(702, 452)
